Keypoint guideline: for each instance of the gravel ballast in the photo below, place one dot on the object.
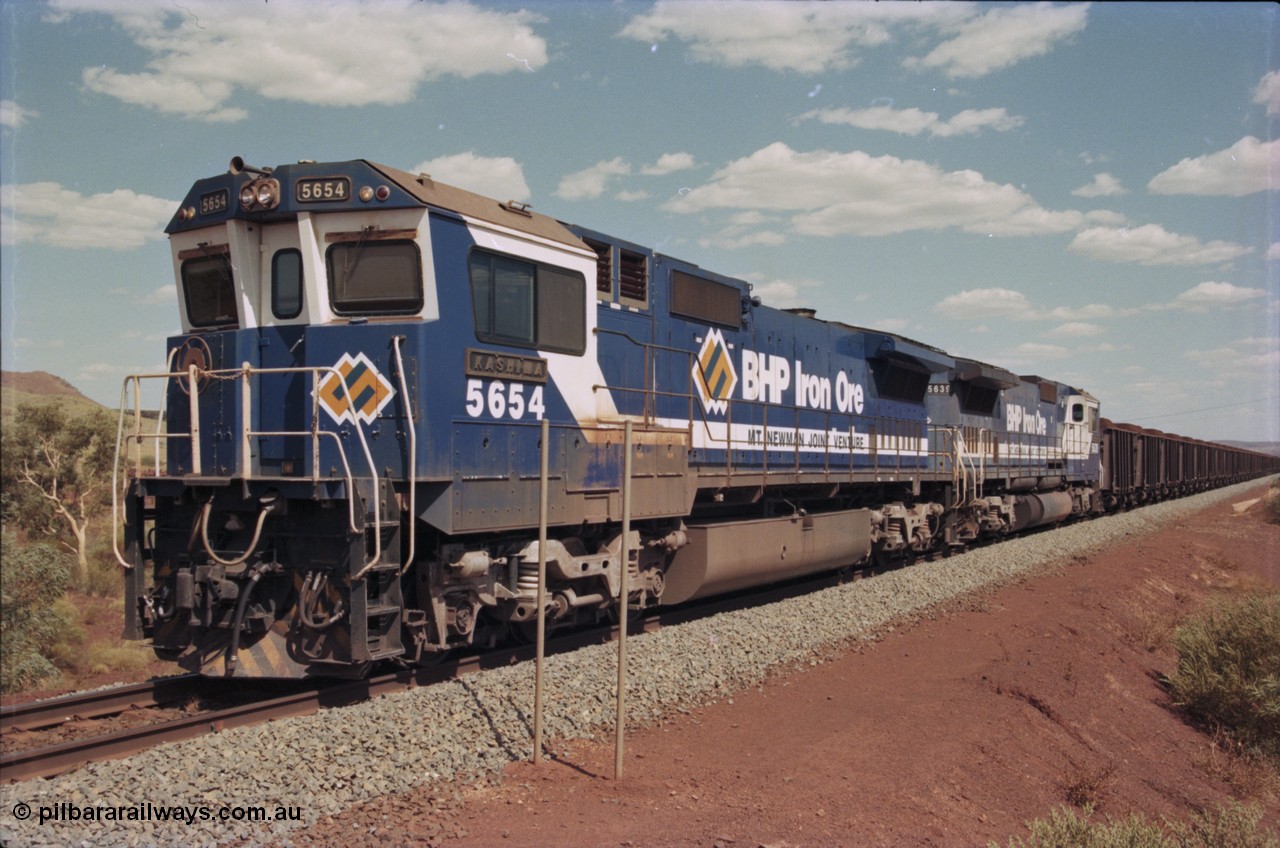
(320, 764)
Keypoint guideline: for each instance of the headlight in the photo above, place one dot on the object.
(260, 194)
(268, 193)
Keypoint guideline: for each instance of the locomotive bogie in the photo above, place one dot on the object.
(354, 416)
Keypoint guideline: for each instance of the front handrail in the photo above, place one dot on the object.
(245, 373)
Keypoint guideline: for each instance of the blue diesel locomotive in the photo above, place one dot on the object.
(353, 414)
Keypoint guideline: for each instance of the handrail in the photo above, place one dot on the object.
(412, 474)
(244, 373)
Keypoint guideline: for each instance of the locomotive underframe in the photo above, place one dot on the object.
(293, 607)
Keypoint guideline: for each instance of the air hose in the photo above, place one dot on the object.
(255, 574)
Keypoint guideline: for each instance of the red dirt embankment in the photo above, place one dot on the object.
(955, 730)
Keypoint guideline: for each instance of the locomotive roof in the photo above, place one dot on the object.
(507, 214)
(216, 199)
(982, 374)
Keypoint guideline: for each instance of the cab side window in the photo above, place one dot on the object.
(524, 304)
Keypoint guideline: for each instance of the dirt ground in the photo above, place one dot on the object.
(953, 730)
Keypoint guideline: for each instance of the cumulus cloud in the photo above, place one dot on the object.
(323, 52)
(812, 37)
(780, 294)
(986, 304)
(1039, 351)
(914, 121)
(1246, 167)
(1268, 92)
(1003, 36)
(1103, 185)
(590, 183)
(1151, 244)
(1075, 330)
(47, 213)
(669, 163)
(13, 116)
(807, 37)
(831, 193)
(1214, 294)
(1247, 353)
(162, 295)
(495, 176)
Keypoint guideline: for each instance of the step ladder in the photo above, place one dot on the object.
(377, 605)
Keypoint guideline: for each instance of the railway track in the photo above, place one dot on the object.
(309, 697)
(304, 699)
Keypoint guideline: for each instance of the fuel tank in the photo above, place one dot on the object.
(734, 555)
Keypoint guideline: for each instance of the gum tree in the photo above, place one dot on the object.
(57, 474)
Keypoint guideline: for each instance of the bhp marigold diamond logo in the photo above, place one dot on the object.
(713, 374)
(369, 390)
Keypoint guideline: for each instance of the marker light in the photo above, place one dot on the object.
(382, 193)
(366, 193)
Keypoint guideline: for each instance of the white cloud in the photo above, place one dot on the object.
(779, 294)
(813, 37)
(494, 176)
(1151, 244)
(1273, 252)
(834, 193)
(1103, 185)
(631, 196)
(807, 37)
(1246, 167)
(1004, 36)
(1075, 330)
(745, 229)
(914, 121)
(1268, 92)
(1039, 351)
(328, 53)
(986, 304)
(590, 183)
(13, 116)
(47, 213)
(669, 163)
(1211, 294)
(1232, 358)
(1092, 311)
(163, 296)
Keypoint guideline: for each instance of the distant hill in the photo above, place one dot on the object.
(41, 387)
(38, 383)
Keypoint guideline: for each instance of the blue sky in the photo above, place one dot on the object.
(1086, 192)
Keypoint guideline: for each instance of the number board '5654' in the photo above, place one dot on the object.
(503, 400)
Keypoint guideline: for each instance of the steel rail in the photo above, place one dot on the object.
(102, 702)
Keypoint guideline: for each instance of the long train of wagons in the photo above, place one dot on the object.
(353, 415)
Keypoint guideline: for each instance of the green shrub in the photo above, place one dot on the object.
(32, 579)
(1066, 829)
(77, 656)
(1271, 503)
(1228, 674)
(1231, 826)
(104, 578)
